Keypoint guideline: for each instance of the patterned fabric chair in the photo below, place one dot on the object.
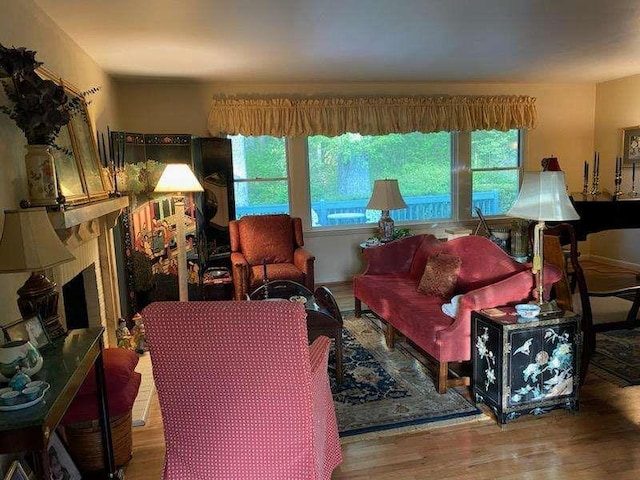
(242, 394)
(274, 239)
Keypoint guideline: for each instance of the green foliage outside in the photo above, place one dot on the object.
(345, 167)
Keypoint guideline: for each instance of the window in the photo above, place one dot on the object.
(495, 169)
(342, 171)
(260, 175)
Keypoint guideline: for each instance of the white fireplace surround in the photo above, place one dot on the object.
(87, 231)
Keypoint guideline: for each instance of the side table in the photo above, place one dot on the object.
(527, 367)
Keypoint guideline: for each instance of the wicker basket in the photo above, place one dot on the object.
(84, 441)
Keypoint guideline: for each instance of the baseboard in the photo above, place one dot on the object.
(613, 261)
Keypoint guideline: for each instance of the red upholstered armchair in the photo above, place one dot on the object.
(242, 394)
(276, 239)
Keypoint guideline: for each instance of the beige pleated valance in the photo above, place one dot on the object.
(292, 117)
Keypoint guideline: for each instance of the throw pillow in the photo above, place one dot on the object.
(440, 275)
(451, 308)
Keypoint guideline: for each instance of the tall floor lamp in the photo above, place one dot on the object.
(177, 178)
(543, 197)
(30, 244)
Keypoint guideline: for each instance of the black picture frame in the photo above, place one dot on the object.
(30, 328)
(631, 145)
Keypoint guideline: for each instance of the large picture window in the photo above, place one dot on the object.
(442, 176)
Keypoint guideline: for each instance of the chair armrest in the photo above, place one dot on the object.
(240, 269)
(303, 259)
(319, 356)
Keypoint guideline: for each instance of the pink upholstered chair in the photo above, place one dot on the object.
(276, 239)
(242, 394)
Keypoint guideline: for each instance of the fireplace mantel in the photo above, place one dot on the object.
(70, 217)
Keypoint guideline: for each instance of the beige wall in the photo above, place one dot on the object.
(22, 23)
(565, 129)
(617, 107)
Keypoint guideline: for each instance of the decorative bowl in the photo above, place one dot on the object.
(20, 354)
(528, 310)
(31, 392)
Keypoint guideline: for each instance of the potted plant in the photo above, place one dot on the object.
(40, 108)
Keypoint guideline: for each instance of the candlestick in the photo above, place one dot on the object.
(596, 174)
(633, 192)
(618, 179)
(585, 182)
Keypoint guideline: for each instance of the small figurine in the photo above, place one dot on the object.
(139, 336)
(123, 335)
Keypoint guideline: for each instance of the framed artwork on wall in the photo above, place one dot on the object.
(80, 176)
(631, 144)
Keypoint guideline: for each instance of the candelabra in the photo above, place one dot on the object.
(594, 186)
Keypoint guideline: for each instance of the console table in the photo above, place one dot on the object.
(66, 364)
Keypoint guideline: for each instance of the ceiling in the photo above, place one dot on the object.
(540, 41)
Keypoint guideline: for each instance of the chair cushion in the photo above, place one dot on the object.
(440, 275)
(266, 237)
(280, 271)
(119, 364)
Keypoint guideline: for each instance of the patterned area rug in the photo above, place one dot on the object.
(617, 357)
(389, 392)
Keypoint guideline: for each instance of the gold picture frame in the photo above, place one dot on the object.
(631, 145)
(79, 173)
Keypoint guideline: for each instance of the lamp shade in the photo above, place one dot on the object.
(29, 243)
(386, 196)
(543, 196)
(178, 177)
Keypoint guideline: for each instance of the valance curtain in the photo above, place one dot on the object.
(292, 117)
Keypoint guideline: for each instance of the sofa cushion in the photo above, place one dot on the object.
(440, 275)
(266, 237)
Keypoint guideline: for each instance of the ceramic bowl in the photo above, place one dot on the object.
(31, 393)
(10, 398)
(528, 310)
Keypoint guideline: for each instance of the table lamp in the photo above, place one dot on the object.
(543, 197)
(30, 244)
(177, 178)
(386, 196)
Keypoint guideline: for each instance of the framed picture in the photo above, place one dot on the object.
(61, 466)
(631, 145)
(16, 472)
(30, 328)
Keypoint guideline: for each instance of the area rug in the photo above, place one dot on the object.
(389, 392)
(617, 357)
(142, 403)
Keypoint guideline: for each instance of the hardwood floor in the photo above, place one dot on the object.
(601, 441)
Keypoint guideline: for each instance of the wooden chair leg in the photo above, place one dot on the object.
(357, 307)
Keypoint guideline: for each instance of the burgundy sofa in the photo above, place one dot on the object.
(487, 277)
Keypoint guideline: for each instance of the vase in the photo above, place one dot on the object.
(41, 176)
(19, 355)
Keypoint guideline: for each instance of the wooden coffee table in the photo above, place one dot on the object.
(323, 314)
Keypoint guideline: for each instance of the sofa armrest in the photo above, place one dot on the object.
(515, 289)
